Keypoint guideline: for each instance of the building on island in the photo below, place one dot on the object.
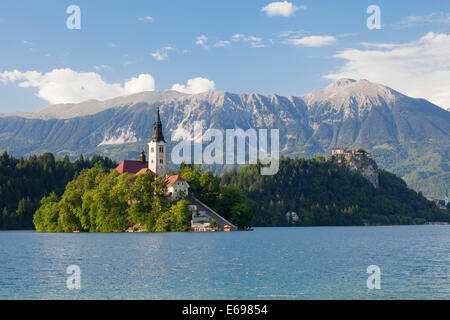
(200, 220)
(177, 187)
(133, 166)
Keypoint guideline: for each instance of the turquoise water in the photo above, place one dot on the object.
(268, 263)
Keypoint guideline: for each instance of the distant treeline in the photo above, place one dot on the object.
(325, 194)
(24, 182)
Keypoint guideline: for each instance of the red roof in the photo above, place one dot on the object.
(144, 170)
(172, 179)
(131, 166)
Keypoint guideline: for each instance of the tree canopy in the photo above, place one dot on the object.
(101, 201)
(323, 193)
(23, 183)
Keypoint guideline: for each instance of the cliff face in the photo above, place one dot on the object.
(361, 163)
(367, 167)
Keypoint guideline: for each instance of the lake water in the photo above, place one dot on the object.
(268, 263)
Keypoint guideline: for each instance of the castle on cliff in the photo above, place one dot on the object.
(357, 160)
(348, 154)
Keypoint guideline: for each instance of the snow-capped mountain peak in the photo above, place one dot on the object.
(351, 95)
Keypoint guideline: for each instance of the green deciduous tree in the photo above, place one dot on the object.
(182, 215)
(24, 182)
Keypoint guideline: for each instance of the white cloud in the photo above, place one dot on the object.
(223, 43)
(202, 41)
(293, 33)
(147, 18)
(419, 68)
(380, 45)
(69, 86)
(144, 82)
(162, 53)
(255, 42)
(237, 37)
(103, 66)
(196, 85)
(435, 17)
(312, 41)
(281, 8)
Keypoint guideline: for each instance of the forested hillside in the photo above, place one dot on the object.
(23, 182)
(323, 193)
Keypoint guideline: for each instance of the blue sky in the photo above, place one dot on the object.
(288, 55)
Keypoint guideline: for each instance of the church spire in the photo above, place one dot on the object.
(157, 149)
(142, 158)
(157, 129)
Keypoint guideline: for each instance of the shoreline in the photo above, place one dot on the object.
(274, 227)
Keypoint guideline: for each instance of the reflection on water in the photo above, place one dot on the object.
(268, 263)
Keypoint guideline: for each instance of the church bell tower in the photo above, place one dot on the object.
(157, 149)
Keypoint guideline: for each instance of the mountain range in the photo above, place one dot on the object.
(407, 136)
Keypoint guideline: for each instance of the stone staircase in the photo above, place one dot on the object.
(221, 222)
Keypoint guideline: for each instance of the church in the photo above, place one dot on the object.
(157, 163)
(177, 187)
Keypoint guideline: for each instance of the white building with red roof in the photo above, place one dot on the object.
(177, 187)
(133, 166)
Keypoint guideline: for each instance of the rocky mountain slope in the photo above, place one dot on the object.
(410, 137)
